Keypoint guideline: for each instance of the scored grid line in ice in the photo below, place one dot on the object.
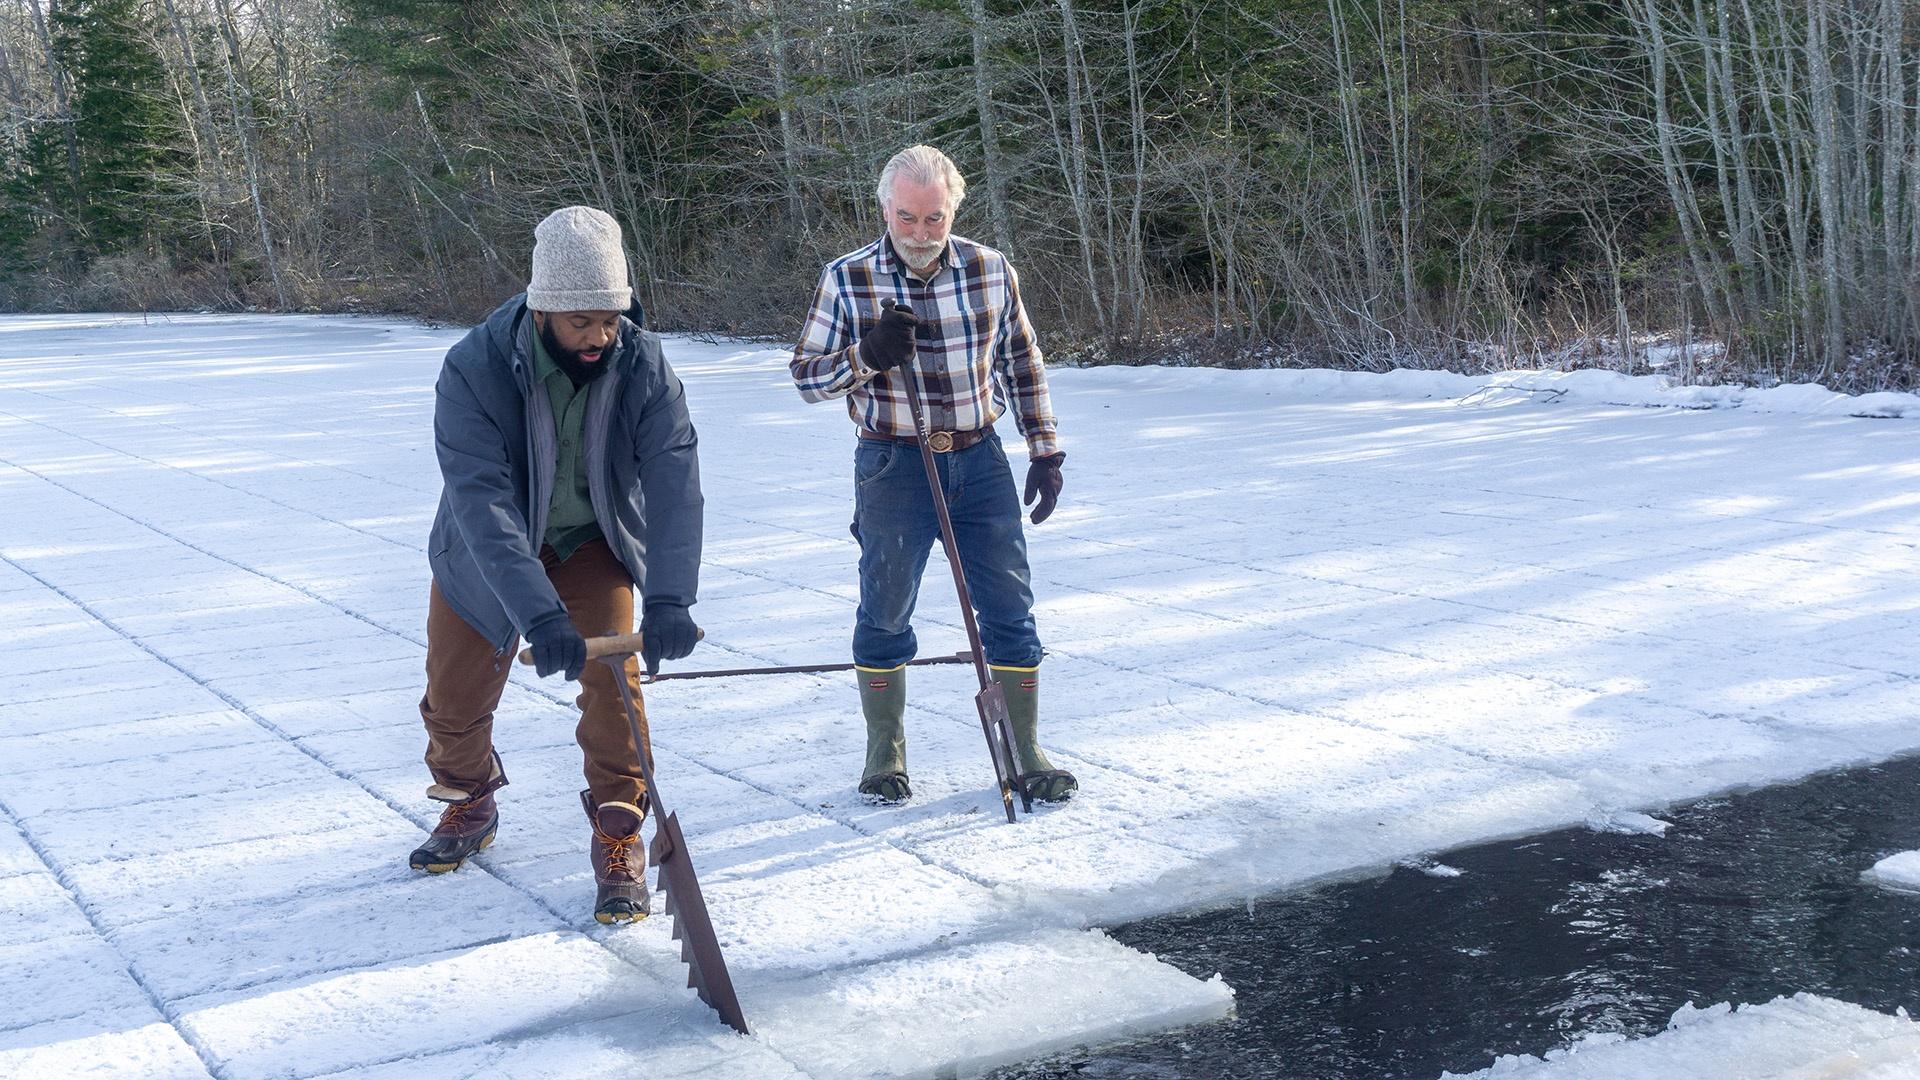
(166, 1004)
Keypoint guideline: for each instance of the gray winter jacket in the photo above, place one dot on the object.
(495, 439)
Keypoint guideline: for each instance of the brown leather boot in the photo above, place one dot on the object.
(465, 827)
(619, 860)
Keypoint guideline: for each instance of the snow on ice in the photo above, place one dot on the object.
(1899, 872)
(1792, 1038)
(1628, 823)
(1301, 624)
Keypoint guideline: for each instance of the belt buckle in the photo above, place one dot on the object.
(940, 442)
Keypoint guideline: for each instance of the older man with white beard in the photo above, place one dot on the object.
(957, 328)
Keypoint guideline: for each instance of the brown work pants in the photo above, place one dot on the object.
(465, 678)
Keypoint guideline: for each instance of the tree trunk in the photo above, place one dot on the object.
(992, 164)
(1827, 186)
(1136, 256)
(203, 105)
(1706, 271)
(793, 154)
(1352, 138)
(1074, 157)
(243, 126)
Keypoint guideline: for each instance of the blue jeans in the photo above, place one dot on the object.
(895, 520)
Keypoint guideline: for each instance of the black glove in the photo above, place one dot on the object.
(557, 646)
(1043, 483)
(669, 634)
(890, 343)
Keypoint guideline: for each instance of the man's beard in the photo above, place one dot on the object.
(568, 360)
(920, 256)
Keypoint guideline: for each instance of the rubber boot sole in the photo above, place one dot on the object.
(886, 789)
(1051, 786)
(622, 909)
(444, 867)
(621, 914)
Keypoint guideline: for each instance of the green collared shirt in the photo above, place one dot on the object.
(570, 520)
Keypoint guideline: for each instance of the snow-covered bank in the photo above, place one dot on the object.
(1294, 633)
(1798, 1037)
(1587, 386)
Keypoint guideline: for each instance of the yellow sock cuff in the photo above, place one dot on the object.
(877, 670)
(1010, 667)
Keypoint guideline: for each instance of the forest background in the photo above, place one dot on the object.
(1714, 189)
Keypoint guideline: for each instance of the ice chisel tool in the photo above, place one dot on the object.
(991, 701)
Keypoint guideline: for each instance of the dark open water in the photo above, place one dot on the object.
(1540, 940)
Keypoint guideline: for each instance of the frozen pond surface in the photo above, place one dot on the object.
(1302, 625)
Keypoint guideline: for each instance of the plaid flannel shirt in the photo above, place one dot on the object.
(974, 328)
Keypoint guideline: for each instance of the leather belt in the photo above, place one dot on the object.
(940, 442)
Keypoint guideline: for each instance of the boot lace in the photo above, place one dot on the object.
(450, 818)
(618, 849)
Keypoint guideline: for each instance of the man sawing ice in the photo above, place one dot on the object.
(571, 482)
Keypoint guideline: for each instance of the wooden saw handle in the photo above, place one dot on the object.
(614, 645)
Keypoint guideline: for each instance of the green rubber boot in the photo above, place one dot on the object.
(1043, 782)
(883, 701)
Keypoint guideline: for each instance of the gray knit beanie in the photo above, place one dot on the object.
(577, 263)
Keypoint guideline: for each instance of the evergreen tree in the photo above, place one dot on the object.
(133, 160)
(33, 178)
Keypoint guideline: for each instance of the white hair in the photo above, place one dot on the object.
(923, 165)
